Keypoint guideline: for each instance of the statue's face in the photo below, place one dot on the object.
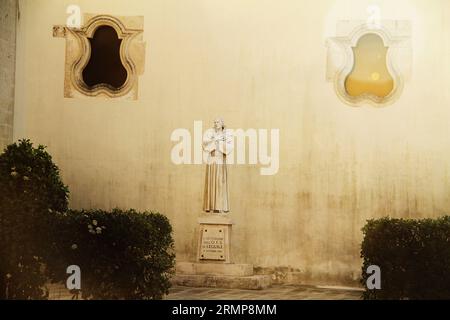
(218, 124)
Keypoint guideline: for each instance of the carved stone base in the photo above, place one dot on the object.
(214, 238)
(220, 275)
(213, 268)
(224, 269)
(257, 282)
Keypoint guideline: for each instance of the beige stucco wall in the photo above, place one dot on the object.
(259, 64)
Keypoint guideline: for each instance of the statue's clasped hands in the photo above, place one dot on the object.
(219, 138)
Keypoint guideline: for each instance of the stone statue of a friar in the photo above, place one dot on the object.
(218, 143)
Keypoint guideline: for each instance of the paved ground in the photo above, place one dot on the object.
(272, 293)
(58, 292)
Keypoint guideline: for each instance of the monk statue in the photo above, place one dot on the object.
(218, 144)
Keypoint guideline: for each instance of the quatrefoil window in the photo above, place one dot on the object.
(105, 57)
(105, 66)
(370, 75)
(367, 65)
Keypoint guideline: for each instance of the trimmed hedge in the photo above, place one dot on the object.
(121, 254)
(30, 190)
(413, 255)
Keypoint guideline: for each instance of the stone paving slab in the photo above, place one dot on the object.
(273, 293)
(279, 292)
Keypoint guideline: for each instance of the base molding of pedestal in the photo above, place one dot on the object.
(219, 275)
(211, 268)
(255, 282)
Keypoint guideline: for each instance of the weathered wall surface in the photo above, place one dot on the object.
(8, 17)
(259, 64)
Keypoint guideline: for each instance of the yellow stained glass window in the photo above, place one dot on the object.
(370, 75)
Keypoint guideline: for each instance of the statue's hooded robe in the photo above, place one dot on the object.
(218, 145)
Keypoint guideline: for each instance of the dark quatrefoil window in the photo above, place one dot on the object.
(105, 66)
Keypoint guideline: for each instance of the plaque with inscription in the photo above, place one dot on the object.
(213, 243)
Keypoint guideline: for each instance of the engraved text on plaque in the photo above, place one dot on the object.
(213, 243)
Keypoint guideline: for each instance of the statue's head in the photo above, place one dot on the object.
(219, 124)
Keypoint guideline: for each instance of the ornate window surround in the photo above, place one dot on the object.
(78, 52)
(396, 37)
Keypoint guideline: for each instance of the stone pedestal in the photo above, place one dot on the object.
(213, 267)
(214, 238)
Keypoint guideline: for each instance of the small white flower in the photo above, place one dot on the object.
(99, 230)
(94, 222)
(25, 178)
(74, 247)
(14, 174)
(8, 276)
(90, 227)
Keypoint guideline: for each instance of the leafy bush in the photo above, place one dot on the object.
(30, 190)
(413, 255)
(121, 254)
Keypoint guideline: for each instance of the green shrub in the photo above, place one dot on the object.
(413, 255)
(29, 173)
(30, 190)
(121, 254)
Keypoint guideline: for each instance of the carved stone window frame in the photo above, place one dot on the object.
(78, 53)
(396, 37)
